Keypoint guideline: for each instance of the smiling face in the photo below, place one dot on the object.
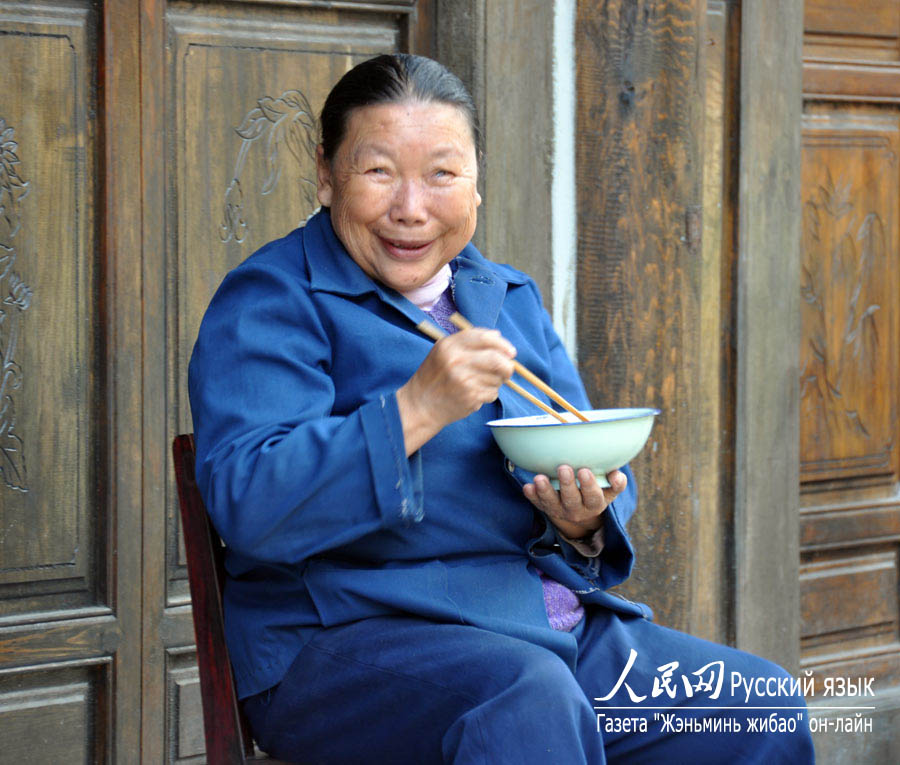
(402, 189)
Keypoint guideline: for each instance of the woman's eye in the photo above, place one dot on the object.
(377, 170)
(443, 173)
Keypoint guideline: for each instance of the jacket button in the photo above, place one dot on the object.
(509, 466)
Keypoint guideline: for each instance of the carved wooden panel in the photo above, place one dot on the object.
(53, 714)
(184, 709)
(246, 89)
(49, 387)
(850, 355)
(843, 601)
(860, 18)
(69, 595)
(852, 49)
(232, 95)
(850, 392)
(850, 309)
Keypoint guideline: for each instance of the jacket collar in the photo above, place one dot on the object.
(478, 286)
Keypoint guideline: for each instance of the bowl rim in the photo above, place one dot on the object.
(528, 421)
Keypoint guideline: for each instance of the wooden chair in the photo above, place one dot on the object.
(228, 739)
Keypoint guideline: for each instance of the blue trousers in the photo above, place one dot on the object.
(406, 690)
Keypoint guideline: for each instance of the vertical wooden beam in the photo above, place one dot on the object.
(639, 176)
(712, 610)
(121, 312)
(768, 332)
(421, 28)
(157, 470)
(518, 120)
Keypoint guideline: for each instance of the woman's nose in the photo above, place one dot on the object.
(409, 203)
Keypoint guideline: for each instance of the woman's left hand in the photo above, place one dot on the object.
(575, 511)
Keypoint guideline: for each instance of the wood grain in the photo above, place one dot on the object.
(69, 514)
(837, 80)
(223, 176)
(850, 364)
(873, 18)
(49, 374)
(711, 614)
(768, 333)
(639, 122)
(850, 312)
(121, 315)
(518, 125)
(51, 714)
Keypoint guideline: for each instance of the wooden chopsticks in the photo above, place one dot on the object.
(435, 333)
(462, 322)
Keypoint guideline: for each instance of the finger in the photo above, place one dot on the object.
(569, 493)
(487, 338)
(547, 497)
(495, 365)
(482, 371)
(593, 496)
(530, 493)
(617, 483)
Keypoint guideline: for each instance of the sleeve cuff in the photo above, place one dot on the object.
(396, 478)
(618, 554)
(590, 546)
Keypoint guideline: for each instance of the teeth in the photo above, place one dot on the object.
(405, 245)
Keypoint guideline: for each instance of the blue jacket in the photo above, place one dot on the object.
(302, 465)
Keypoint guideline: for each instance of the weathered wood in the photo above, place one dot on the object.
(850, 363)
(849, 386)
(639, 171)
(213, 192)
(422, 29)
(869, 82)
(120, 308)
(48, 359)
(768, 332)
(503, 52)
(54, 713)
(518, 127)
(70, 461)
(158, 497)
(712, 614)
(460, 46)
(873, 18)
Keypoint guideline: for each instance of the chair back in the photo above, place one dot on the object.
(228, 739)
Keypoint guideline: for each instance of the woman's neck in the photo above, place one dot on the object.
(429, 293)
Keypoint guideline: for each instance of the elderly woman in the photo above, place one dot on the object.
(397, 592)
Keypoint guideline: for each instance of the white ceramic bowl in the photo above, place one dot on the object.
(540, 444)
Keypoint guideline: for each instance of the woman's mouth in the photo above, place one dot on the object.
(406, 250)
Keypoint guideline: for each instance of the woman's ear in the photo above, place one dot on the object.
(324, 186)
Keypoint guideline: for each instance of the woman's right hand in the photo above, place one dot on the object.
(461, 373)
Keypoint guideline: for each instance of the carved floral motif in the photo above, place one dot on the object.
(286, 121)
(842, 258)
(17, 299)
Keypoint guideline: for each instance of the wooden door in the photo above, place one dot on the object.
(70, 587)
(145, 149)
(850, 358)
(231, 94)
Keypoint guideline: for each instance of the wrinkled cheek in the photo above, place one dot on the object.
(471, 219)
(350, 226)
